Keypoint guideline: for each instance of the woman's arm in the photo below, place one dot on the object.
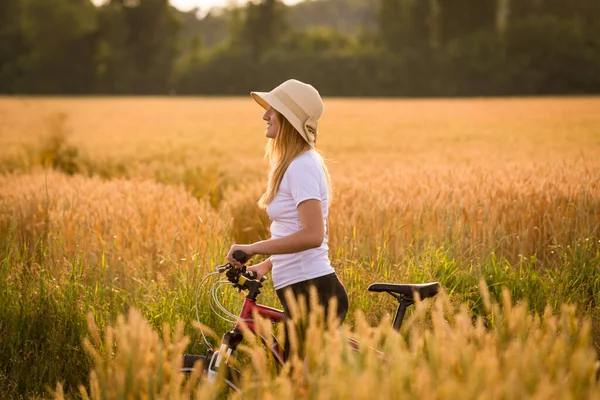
(262, 268)
(311, 235)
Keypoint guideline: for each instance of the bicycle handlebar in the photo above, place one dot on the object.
(240, 256)
(233, 274)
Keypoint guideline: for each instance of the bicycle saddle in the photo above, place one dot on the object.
(407, 290)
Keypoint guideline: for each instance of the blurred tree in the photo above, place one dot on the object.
(62, 36)
(344, 16)
(549, 55)
(417, 47)
(464, 17)
(317, 41)
(235, 23)
(264, 26)
(115, 71)
(349, 17)
(189, 66)
(582, 10)
(152, 41)
(434, 23)
(394, 22)
(12, 46)
(502, 16)
(139, 45)
(406, 24)
(212, 28)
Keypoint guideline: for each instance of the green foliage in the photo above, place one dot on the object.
(58, 33)
(213, 29)
(403, 23)
(263, 26)
(13, 46)
(383, 47)
(138, 47)
(347, 17)
(115, 70)
(460, 18)
(318, 41)
(551, 55)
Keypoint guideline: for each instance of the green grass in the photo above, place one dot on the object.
(43, 314)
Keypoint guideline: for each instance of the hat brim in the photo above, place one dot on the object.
(268, 99)
(259, 98)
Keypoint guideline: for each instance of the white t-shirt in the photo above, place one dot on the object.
(304, 179)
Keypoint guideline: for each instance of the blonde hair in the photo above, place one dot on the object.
(281, 151)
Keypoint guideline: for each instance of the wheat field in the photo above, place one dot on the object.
(108, 204)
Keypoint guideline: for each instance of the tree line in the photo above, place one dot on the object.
(407, 48)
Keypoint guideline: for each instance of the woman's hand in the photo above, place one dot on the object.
(246, 248)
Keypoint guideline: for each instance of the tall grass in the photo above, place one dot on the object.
(104, 211)
(131, 360)
(448, 353)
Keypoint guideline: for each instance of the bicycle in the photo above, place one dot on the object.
(245, 280)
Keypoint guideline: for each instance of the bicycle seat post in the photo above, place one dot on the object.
(405, 294)
(403, 304)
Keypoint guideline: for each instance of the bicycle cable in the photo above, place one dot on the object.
(229, 317)
(215, 305)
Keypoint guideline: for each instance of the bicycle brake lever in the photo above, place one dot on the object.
(223, 268)
(254, 276)
(233, 274)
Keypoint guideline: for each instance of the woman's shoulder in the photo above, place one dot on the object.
(305, 162)
(309, 157)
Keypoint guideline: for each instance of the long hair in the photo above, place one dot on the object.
(280, 152)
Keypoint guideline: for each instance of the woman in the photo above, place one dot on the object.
(296, 200)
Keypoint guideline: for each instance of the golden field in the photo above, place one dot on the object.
(517, 176)
(500, 167)
(139, 192)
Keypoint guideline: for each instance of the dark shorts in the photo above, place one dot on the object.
(327, 287)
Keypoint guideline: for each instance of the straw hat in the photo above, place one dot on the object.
(300, 104)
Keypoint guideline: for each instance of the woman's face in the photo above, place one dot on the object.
(272, 123)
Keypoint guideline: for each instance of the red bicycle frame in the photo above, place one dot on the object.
(234, 337)
(402, 292)
(267, 312)
(270, 313)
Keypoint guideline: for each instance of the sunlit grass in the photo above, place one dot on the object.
(108, 204)
(447, 353)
